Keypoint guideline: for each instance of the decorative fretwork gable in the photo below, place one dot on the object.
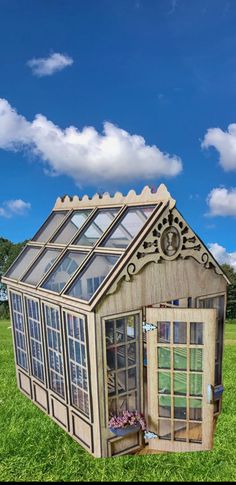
(170, 239)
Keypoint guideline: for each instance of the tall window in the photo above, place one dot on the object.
(35, 339)
(78, 367)
(122, 350)
(54, 350)
(19, 330)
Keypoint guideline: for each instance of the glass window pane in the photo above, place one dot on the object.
(92, 276)
(101, 221)
(163, 358)
(54, 349)
(180, 332)
(132, 378)
(64, 271)
(23, 262)
(196, 360)
(131, 354)
(121, 382)
(50, 226)
(195, 384)
(110, 332)
(121, 360)
(163, 332)
(130, 224)
(196, 333)
(120, 330)
(131, 321)
(180, 358)
(164, 429)
(71, 226)
(180, 431)
(180, 383)
(195, 409)
(180, 407)
(42, 266)
(164, 409)
(19, 330)
(195, 432)
(164, 382)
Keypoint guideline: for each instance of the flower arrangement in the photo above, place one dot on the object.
(128, 421)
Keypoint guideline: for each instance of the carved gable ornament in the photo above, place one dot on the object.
(170, 239)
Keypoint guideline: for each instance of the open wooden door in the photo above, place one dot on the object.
(180, 378)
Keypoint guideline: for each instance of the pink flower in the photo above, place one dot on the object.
(127, 418)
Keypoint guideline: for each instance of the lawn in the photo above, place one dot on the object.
(33, 448)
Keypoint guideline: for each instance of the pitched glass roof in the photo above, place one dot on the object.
(63, 271)
(91, 277)
(128, 226)
(95, 229)
(21, 264)
(71, 227)
(49, 227)
(42, 266)
(98, 229)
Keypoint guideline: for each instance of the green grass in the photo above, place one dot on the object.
(33, 448)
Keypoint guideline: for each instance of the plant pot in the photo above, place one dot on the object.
(125, 431)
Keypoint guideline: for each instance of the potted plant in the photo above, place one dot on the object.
(127, 422)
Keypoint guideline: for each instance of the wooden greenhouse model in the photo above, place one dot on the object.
(116, 304)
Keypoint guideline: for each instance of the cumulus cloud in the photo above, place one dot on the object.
(222, 202)
(14, 206)
(86, 155)
(221, 255)
(225, 143)
(46, 66)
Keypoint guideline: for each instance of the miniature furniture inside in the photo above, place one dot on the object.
(116, 304)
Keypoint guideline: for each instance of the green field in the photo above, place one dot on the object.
(33, 448)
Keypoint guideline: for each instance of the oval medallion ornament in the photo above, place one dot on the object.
(170, 241)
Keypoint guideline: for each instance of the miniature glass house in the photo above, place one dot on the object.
(116, 304)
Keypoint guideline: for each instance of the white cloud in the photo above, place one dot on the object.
(14, 206)
(225, 143)
(46, 66)
(86, 155)
(222, 202)
(221, 255)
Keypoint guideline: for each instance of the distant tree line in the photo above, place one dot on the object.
(9, 251)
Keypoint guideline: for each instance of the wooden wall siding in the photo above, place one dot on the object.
(157, 283)
(106, 200)
(170, 239)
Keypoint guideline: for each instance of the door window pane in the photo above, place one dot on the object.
(163, 357)
(163, 332)
(180, 383)
(195, 409)
(180, 411)
(195, 384)
(196, 333)
(164, 409)
(180, 358)
(180, 332)
(164, 429)
(71, 226)
(101, 221)
(180, 431)
(195, 432)
(164, 382)
(64, 271)
(128, 226)
(196, 361)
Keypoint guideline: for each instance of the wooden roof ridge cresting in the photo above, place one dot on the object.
(147, 196)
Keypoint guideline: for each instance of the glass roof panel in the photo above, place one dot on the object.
(64, 271)
(49, 227)
(71, 226)
(101, 221)
(42, 266)
(127, 228)
(92, 276)
(28, 254)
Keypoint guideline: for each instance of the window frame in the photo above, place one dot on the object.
(26, 351)
(46, 222)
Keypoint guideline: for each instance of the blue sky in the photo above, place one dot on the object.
(164, 70)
